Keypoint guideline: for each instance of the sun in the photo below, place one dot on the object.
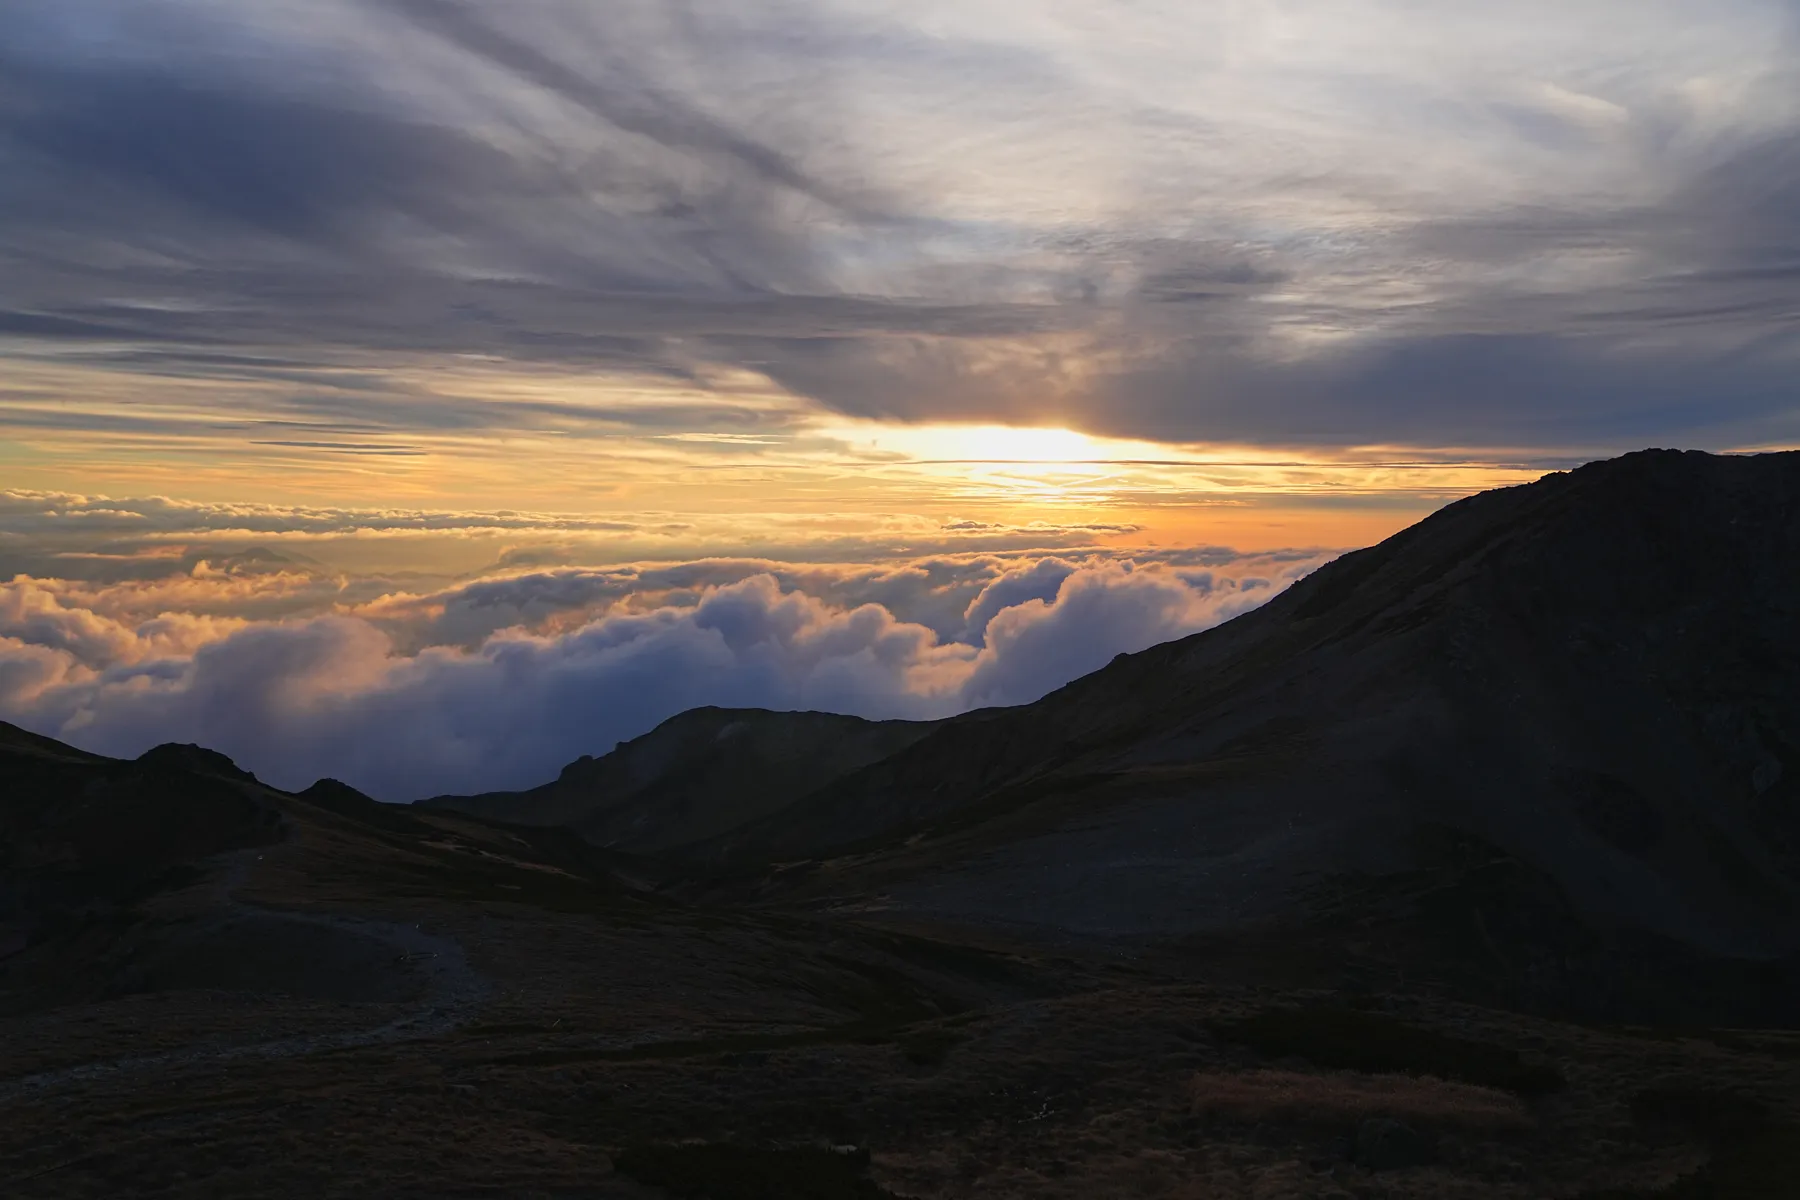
(1001, 443)
(996, 444)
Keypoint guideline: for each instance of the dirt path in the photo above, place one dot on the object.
(453, 993)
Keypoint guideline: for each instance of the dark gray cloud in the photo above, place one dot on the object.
(235, 161)
(1594, 243)
(608, 90)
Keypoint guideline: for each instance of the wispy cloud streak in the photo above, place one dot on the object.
(1296, 224)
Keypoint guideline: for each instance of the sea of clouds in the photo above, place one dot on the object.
(496, 682)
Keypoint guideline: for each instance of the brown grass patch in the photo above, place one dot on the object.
(1339, 1097)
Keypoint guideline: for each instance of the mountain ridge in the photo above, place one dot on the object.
(1466, 866)
(661, 789)
(1594, 678)
(1545, 742)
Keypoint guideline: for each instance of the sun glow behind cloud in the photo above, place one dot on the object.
(729, 463)
(1063, 468)
(1123, 262)
(1003, 444)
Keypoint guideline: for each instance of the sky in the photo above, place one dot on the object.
(425, 393)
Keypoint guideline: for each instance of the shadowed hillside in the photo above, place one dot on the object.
(1566, 713)
(698, 775)
(1467, 867)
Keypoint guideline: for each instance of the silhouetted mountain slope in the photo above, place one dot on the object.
(81, 831)
(1614, 649)
(122, 878)
(1553, 729)
(1544, 745)
(697, 775)
(1571, 709)
(1282, 888)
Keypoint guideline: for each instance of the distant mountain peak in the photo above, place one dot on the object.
(189, 757)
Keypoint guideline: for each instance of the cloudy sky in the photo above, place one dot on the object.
(505, 378)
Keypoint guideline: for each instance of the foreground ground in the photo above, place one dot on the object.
(426, 1006)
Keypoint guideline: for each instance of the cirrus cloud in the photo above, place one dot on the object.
(1367, 223)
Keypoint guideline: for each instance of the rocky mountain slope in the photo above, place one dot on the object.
(1465, 868)
(1553, 730)
(697, 775)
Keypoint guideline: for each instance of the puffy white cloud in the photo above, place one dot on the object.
(94, 627)
(592, 659)
(1037, 645)
(1039, 581)
(27, 670)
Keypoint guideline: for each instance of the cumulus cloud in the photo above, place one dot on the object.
(955, 596)
(413, 696)
(1040, 643)
(96, 629)
(1040, 581)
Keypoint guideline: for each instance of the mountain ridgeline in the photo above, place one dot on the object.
(697, 776)
(1541, 749)
(1547, 739)
(1469, 865)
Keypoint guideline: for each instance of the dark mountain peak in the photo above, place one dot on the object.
(1591, 684)
(82, 833)
(698, 774)
(14, 740)
(1519, 643)
(575, 768)
(187, 756)
(333, 791)
(335, 796)
(1646, 523)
